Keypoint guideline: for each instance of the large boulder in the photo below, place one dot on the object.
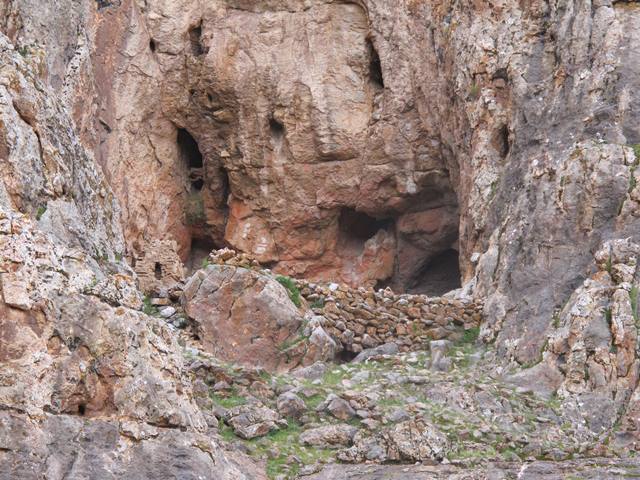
(251, 421)
(410, 441)
(242, 315)
(329, 436)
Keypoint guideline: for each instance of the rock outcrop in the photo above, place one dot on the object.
(83, 373)
(360, 147)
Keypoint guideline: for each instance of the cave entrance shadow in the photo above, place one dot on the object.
(439, 275)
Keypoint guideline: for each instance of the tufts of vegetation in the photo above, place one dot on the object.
(317, 304)
(205, 262)
(148, 307)
(230, 401)
(287, 344)
(471, 335)
(292, 289)
(40, 212)
(474, 91)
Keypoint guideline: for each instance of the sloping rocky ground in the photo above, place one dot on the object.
(444, 403)
(349, 142)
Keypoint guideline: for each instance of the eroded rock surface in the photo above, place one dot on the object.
(89, 385)
(241, 314)
(418, 145)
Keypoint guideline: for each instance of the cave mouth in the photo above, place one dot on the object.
(276, 128)
(201, 247)
(189, 149)
(439, 275)
(157, 271)
(359, 225)
(192, 158)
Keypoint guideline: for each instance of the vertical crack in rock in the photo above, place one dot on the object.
(195, 39)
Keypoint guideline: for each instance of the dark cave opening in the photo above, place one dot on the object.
(356, 228)
(152, 45)
(346, 356)
(81, 409)
(195, 38)
(439, 275)
(375, 67)
(360, 226)
(201, 247)
(501, 141)
(189, 149)
(190, 153)
(157, 271)
(276, 128)
(225, 189)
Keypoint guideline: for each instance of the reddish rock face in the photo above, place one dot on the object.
(283, 131)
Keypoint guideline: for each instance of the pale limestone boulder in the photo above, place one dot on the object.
(241, 315)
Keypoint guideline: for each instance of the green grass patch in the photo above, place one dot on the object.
(292, 289)
(40, 212)
(226, 432)
(228, 401)
(470, 336)
(313, 401)
(317, 304)
(286, 443)
(148, 307)
(287, 344)
(334, 377)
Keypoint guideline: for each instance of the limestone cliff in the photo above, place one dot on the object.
(419, 145)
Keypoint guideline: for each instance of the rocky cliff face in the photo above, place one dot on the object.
(416, 144)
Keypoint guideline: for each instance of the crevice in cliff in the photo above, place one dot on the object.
(201, 247)
(501, 141)
(192, 158)
(276, 129)
(375, 67)
(359, 225)
(439, 275)
(195, 39)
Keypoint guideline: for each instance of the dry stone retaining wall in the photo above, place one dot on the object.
(364, 318)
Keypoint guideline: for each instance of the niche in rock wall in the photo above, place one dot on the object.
(355, 228)
(375, 67)
(439, 275)
(192, 158)
(276, 128)
(195, 39)
(501, 141)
